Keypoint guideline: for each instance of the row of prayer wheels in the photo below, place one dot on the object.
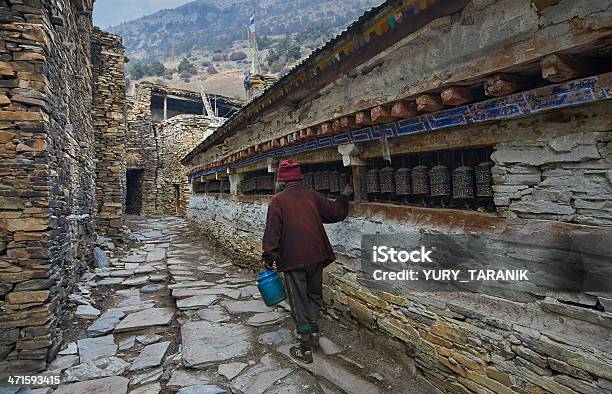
(263, 183)
(464, 183)
(327, 181)
(221, 186)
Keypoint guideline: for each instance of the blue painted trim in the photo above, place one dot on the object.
(548, 98)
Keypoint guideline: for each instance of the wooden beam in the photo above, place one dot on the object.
(327, 128)
(363, 118)
(429, 103)
(455, 95)
(503, 84)
(404, 109)
(347, 122)
(337, 127)
(312, 132)
(560, 67)
(381, 114)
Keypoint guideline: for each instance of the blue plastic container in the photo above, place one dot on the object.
(271, 287)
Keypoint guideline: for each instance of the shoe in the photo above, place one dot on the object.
(301, 354)
(314, 341)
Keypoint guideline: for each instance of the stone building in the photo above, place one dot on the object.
(62, 133)
(518, 91)
(163, 124)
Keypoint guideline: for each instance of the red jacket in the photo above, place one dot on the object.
(294, 235)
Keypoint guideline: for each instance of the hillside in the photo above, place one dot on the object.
(218, 24)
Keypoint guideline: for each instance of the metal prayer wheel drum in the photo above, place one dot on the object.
(420, 180)
(246, 185)
(265, 182)
(343, 180)
(325, 180)
(321, 180)
(440, 181)
(463, 182)
(334, 182)
(309, 180)
(387, 180)
(373, 181)
(484, 181)
(402, 182)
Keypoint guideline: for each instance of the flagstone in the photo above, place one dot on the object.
(205, 342)
(145, 318)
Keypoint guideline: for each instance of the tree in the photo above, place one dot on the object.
(186, 67)
(137, 71)
(237, 56)
(156, 69)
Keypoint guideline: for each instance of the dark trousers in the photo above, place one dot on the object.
(305, 293)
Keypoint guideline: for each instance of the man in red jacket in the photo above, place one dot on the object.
(295, 241)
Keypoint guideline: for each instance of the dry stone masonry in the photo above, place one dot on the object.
(445, 86)
(163, 125)
(109, 119)
(50, 126)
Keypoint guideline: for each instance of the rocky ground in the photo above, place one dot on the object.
(175, 315)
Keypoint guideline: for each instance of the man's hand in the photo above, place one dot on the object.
(270, 266)
(348, 190)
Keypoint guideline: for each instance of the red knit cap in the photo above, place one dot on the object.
(289, 170)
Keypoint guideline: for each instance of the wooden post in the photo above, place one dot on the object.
(350, 157)
(359, 182)
(165, 107)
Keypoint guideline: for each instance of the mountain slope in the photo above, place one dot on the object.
(212, 24)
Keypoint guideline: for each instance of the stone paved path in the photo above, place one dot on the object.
(179, 317)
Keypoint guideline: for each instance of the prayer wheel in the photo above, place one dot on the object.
(373, 181)
(318, 180)
(246, 185)
(343, 180)
(463, 182)
(440, 181)
(402, 182)
(325, 180)
(420, 180)
(484, 181)
(309, 180)
(265, 182)
(334, 182)
(387, 180)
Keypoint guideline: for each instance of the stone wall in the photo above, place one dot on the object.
(485, 38)
(526, 342)
(566, 178)
(109, 107)
(176, 136)
(48, 168)
(156, 146)
(142, 150)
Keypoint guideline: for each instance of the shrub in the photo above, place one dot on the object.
(206, 63)
(187, 67)
(211, 70)
(238, 55)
